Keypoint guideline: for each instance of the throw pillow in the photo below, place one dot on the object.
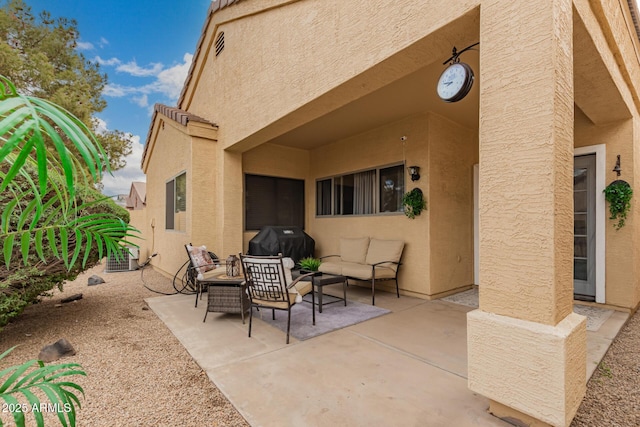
(200, 258)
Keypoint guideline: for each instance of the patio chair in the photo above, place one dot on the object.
(203, 265)
(270, 286)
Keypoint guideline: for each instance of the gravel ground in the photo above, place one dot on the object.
(613, 393)
(138, 373)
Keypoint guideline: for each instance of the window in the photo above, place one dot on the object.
(176, 203)
(391, 186)
(273, 201)
(369, 192)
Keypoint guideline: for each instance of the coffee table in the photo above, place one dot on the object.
(226, 295)
(323, 279)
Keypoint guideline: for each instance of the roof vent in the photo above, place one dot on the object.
(220, 43)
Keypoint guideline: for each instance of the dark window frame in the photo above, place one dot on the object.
(339, 193)
(173, 204)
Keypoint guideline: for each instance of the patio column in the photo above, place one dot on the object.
(526, 347)
(231, 191)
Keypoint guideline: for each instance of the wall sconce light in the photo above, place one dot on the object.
(616, 168)
(414, 171)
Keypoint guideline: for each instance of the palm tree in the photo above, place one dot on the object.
(42, 213)
(46, 207)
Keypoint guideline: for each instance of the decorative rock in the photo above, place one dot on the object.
(95, 280)
(73, 297)
(61, 348)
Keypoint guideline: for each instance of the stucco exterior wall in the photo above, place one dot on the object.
(378, 147)
(176, 151)
(138, 219)
(621, 282)
(453, 150)
(318, 46)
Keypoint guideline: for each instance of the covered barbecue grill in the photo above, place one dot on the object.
(291, 242)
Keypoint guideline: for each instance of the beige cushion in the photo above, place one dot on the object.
(357, 271)
(211, 274)
(365, 271)
(331, 267)
(303, 287)
(275, 304)
(385, 250)
(354, 250)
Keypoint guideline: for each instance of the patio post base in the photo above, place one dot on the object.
(532, 368)
(514, 417)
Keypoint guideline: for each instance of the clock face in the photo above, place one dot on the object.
(455, 82)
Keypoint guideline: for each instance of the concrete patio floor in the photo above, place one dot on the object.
(408, 367)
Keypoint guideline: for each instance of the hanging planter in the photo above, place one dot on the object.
(414, 203)
(618, 194)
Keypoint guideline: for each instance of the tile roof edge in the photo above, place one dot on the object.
(177, 115)
(635, 15)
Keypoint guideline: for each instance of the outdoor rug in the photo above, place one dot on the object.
(595, 316)
(334, 316)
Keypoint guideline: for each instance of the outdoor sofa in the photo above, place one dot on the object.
(366, 259)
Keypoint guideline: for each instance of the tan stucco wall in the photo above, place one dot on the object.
(176, 150)
(526, 157)
(318, 47)
(378, 147)
(138, 219)
(453, 151)
(171, 156)
(546, 380)
(621, 279)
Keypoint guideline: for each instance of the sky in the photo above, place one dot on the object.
(145, 47)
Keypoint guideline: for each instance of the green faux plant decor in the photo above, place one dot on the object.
(310, 264)
(32, 379)
(618, 194)
(414, 203)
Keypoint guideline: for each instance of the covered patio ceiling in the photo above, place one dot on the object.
(409, 95)
(414, 93)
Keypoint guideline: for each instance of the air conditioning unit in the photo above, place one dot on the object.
(127, 261)
(134, 255)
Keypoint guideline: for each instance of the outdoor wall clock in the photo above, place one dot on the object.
(457, 79)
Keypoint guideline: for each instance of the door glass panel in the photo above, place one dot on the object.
(579, 179)
(580, 201)
(580, 224)
(580, 247)
(580, 269)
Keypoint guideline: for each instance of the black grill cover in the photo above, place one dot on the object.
(291, 242)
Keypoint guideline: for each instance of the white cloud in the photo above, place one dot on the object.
(142, 101)
(171, 80)
(120, 182)
(135, 70)
(168, 81)
(85, 46)
(103, 42)
(108, 62)
(116, 91)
